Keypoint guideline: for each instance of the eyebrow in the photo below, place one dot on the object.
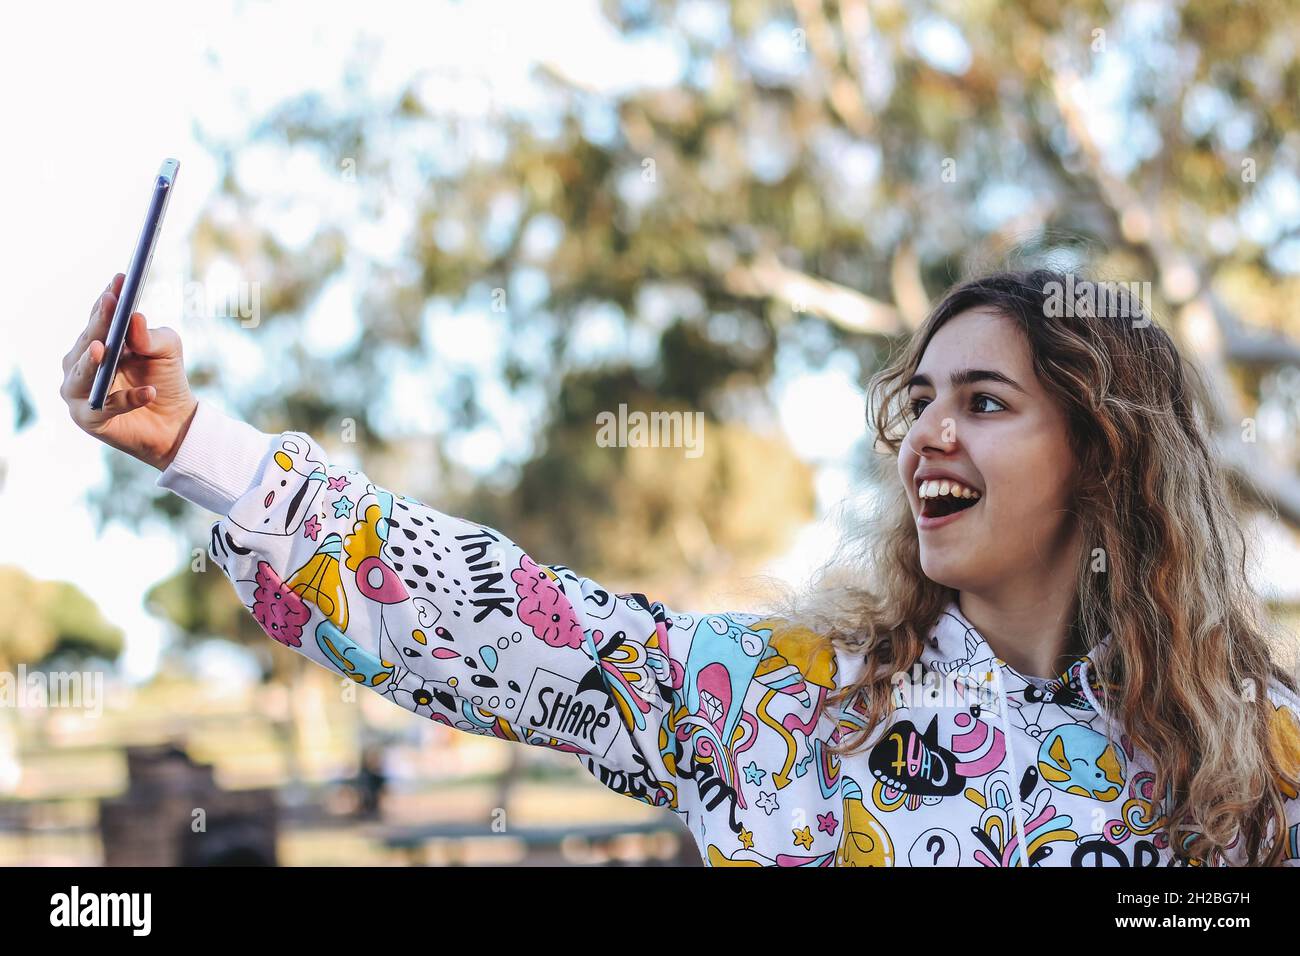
(967, 376)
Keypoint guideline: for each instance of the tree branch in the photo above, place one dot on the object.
(842, 92)
(846, 308)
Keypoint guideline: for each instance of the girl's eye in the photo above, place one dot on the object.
(981, 399)
(981, 404)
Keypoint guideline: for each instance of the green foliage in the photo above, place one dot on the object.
(48, 619)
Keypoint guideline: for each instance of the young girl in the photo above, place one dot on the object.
(1046, 652)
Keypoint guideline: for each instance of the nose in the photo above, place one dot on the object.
(933, 433)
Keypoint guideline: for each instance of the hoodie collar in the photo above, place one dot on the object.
(956, 644)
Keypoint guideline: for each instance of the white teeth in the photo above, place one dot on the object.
(939, 487)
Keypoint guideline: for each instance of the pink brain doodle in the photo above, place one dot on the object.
(543, 607)
(281, 612)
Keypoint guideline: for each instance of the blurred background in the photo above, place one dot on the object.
(442, 237)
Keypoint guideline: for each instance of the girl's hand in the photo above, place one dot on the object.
(149, 405)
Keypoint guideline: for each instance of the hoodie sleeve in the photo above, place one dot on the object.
(454, 622)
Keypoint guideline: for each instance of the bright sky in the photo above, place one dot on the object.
(98, 94)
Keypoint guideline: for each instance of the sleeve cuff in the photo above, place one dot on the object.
(219, 459)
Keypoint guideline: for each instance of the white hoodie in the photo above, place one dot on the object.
(720, 718)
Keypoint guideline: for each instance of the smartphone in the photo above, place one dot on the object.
(163, 185)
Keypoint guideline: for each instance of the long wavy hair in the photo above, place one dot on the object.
(1191, 653)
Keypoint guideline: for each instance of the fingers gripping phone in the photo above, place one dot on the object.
(134, 283)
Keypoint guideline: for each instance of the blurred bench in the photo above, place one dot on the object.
(661, 843)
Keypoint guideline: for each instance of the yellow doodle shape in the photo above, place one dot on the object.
(1285, 730)
(780, 777)
(364, 541)
(318, 581)
(718, 858)
(811, 653)
(863, 842)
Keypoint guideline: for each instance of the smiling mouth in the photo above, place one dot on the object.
(944, 506)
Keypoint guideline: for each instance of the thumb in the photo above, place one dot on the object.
(126, 399)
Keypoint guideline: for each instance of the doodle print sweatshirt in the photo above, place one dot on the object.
(720, 718)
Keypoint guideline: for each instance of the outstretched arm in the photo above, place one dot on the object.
(452, 620)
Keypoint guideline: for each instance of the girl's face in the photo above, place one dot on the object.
(983, 420)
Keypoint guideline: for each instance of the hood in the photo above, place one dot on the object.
(957, 647)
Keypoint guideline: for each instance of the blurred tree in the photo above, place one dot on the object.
(45, 625)
(49, 620)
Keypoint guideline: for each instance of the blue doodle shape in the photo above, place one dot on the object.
(350, 657)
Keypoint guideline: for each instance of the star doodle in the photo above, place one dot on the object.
(768, 802)
(753, 774)
(343, 507)
(803, 838)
